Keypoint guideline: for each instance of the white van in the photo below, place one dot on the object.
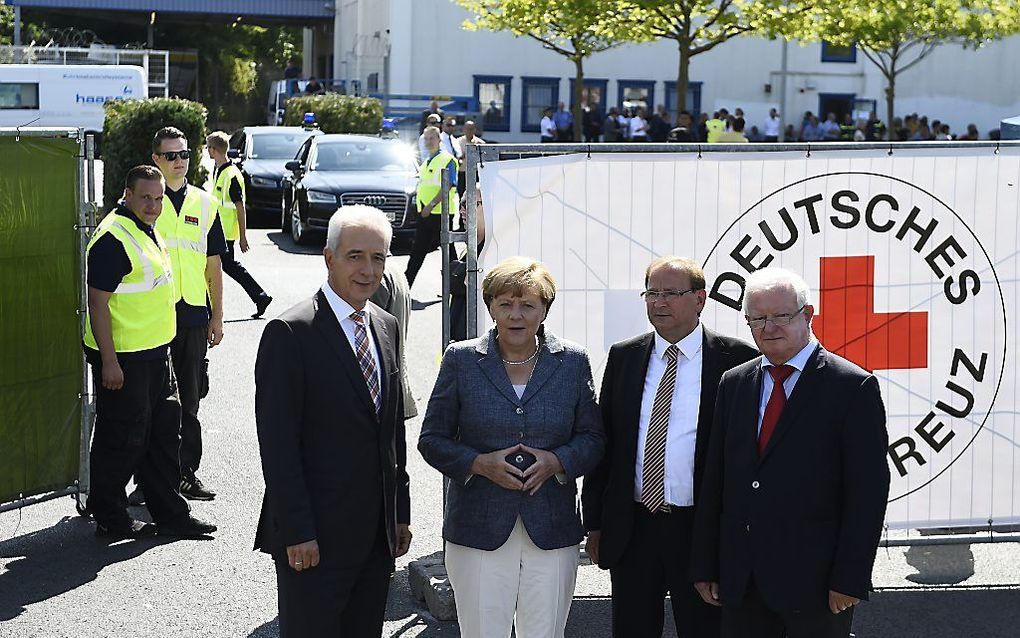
(49, 95)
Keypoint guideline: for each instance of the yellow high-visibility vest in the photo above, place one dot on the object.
(225, 208)
(186, 239)
(142, 306)
(714, 128)
(430, 182)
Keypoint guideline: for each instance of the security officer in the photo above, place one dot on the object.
(429, 200)
(195, 240)
(130, 323)
(228, 193)
(847, 129)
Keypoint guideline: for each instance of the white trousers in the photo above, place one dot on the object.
(518, 586)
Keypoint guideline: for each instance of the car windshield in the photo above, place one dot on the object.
(276, 145)
(362, 156)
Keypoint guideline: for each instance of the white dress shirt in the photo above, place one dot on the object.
(448, 144)
(343, 311)
(798, 362)
(547, 127)
(682, 430)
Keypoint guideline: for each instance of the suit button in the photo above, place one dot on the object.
(755, 485)
(520, 410)
(748, 528)
(520, 435)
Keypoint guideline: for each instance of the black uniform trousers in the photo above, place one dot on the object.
(754, 619)
(657, 562)
(238, 273)
(137, 432)
(426, 239)
(335, 602)
(187, 352)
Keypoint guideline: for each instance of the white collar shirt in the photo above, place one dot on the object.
(798, 361)
(682, 430)
(772, 126)
(343, 311)
(548, 127)
(447, 143)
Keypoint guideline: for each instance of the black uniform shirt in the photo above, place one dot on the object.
(189, 316)
(108, 263)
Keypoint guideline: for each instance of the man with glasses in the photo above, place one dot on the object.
(195, 239)
(792, 502)
(657, 399)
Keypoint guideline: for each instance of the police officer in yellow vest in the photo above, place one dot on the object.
(195, 239)
(429, 201)
(130, 324)
(228, 193)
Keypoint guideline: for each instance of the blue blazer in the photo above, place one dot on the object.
(474, 410)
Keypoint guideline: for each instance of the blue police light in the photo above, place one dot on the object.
(309, 119)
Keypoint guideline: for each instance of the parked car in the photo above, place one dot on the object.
(340, 170)
(262, 153)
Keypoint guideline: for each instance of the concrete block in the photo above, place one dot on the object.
(439, 598)
(420, 572)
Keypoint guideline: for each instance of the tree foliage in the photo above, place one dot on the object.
(574, 29)
(336, 113)
(698, 26)
(895, 35)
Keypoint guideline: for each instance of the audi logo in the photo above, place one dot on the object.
(374, 200)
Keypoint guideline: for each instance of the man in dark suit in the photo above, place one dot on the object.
(330, 417)
(796, 482)
(658, 393)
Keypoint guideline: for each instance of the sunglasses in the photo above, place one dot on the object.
(172, 156)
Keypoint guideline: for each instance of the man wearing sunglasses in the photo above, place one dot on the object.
(657, 399)
(194, 236)
(792, 503)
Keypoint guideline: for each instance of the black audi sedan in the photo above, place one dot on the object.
(340, 170)
(261, 153)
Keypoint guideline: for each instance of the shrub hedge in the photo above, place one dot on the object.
(127, 138)
(336, 113)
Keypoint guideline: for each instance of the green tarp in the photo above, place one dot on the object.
(40, 340)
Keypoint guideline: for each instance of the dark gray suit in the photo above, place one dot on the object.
(474, 410)
(334, 470)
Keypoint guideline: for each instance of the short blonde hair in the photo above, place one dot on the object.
(684, 265)
(517, 275)
(218, 140)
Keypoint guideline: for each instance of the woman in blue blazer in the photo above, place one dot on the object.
(513, 423)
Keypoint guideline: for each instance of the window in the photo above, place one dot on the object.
(693, 103)
(19, 95)
(539, 94)
(636, 94)
(593, 94)
(839, 52)
(493, 95)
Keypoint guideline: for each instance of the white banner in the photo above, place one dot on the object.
(911, 256)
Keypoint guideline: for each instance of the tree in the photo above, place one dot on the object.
(575, 29)
(895, 35)
(698, 26)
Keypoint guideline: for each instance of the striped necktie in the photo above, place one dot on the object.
(653, 476)
(365, 359)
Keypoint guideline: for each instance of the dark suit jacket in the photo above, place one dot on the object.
(474, 410)
(608, 493)
(333, 469)
(807, 515)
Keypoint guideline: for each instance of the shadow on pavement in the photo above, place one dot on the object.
(940, 564)
(287, 245)
(971, 613)
(58, 559)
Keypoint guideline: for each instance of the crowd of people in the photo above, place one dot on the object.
(636, 124)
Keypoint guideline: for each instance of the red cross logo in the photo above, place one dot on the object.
(848, 325)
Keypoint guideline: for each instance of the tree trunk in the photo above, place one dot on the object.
(890, 98)
(575, 108)
(683, 73)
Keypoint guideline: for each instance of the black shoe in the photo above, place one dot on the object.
(193, 490)
(134, 529)
(136, 497)
(186, 527)
(261, 304)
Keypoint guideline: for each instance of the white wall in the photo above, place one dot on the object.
(432, 54)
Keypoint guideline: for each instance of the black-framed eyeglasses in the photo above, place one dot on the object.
(171, 156)
(669, 295)
(777, 320)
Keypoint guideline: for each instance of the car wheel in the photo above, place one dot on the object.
(284, 214)
(298, 230)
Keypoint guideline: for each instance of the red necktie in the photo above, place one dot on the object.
(774, 408)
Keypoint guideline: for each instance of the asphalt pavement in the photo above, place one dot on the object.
(58, 581)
